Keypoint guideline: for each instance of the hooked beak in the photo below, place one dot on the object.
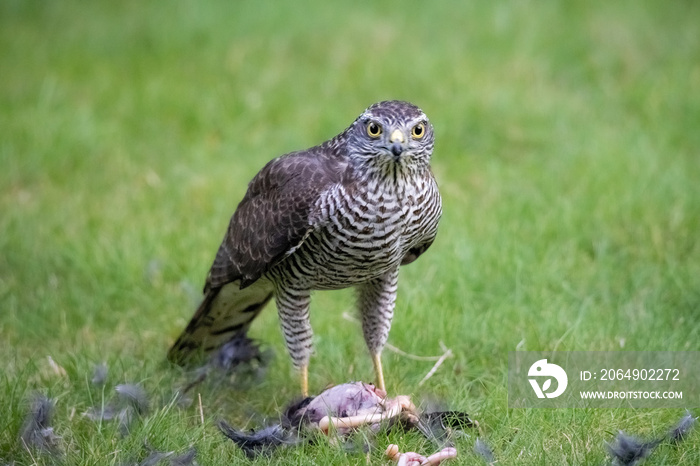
(397, 140)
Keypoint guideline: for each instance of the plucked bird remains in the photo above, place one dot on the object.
(346, 213)
(340, 410)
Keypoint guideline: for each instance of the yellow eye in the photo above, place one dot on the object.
(374, 129)
(418, 131)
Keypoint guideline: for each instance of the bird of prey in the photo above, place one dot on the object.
(346, 213)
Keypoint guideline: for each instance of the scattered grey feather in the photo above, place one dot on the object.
(628, 450)
(683, 428)
(186, 459)
(102, 413)
(155, 458)
(293, 415)
(357, 445)
(240, 355)
(99, 374)
(134, 395)
(131, 401)
(438, 425)
(125, 417)
(37, 431)
(263, 441)
(483, 450)
(237, 351)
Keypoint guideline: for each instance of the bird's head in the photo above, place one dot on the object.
(391, 135)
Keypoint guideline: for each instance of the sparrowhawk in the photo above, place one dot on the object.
(347, 212)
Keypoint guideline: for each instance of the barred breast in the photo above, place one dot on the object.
(361, 234)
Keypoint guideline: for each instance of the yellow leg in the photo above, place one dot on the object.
(304, 376)
(377, 360)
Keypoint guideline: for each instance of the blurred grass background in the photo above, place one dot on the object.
(568, 155)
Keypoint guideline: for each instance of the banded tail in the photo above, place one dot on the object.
(225, 313)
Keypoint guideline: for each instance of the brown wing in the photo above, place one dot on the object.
(271, 220)
(273, 217)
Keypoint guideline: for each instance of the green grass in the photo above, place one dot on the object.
(568, 155)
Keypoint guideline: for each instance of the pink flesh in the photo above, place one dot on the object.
(414, 459)
(365, 404)
(369, 414)
(346, 400)
(408, 459)
(442, 455)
